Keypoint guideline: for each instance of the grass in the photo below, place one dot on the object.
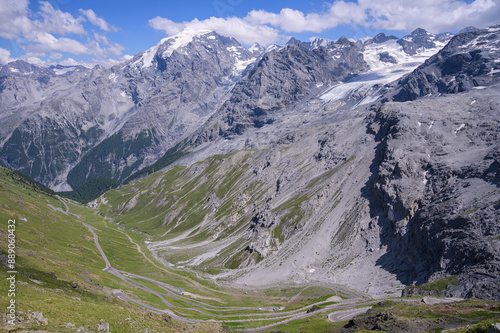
(318, 323)
(471, 211)
(438, 285)
(53, 251)
(56, 251)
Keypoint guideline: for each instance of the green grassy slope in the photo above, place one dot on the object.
(59, 267)
(60, 270)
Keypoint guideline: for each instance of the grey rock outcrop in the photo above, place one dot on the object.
(436, 191)
(421, 39)
(86, 123)
(65, 125)
(467, 61)
(279, 80)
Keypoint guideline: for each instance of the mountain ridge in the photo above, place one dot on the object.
(306, 153)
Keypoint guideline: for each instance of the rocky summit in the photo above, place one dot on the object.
(372, 166)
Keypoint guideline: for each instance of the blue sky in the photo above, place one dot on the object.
(108, 32)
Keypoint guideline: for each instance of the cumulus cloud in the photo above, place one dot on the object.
(36, 61)
(244, 31)
(403, 15)
(51, 31)
(433, 15)
(45, 42)
(97, 21)
(101, 38)
(103, 62)
(14, 19)
(290, 20)
(56, 55)
(5, 57)
(58, 22)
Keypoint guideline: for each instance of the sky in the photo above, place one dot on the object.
(108, 32)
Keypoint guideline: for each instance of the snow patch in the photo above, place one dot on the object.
(459, 128)
(175, 42)
(112, 77)
(426, 172)
(372, 54)
(240, 65)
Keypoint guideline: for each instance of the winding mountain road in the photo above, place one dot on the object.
(198, 306)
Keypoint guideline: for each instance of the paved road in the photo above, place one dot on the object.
(176, 293)
(347, 314)
(302, 315)
(346, 307)
(437, 300)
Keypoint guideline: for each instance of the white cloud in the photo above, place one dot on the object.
(70, 62)
(103, 62)
(14, 18)
(5, 57)
(244, 31)
(52, 31)
(113, 49)
(56, 55)
(36, 61)
(403, 15)
(45, 42)
(433, 15)
(101, 38)
(290, 20)
(97, 21)
(57, 21)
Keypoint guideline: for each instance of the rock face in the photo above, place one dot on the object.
(76, 124)
(467, 61)
(436, 190)
(66, 125)
(281, 79)
(303, 166)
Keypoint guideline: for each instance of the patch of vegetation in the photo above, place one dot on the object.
(91, 189)
(97, 162)
(471, 211)
(21, 179)
(172, 155)
(432, 287)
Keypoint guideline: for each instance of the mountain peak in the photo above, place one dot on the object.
(467, 29)
(183, 38)
(381, 38)
(170, 44)
(419, 32)
(256, 49)
(293, 40)
(21, 67)
(343, 40)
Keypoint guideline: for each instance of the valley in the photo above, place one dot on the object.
(139, 293)
(327, 186)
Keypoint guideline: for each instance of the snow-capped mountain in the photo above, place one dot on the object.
(113, 122)
(372, 164)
